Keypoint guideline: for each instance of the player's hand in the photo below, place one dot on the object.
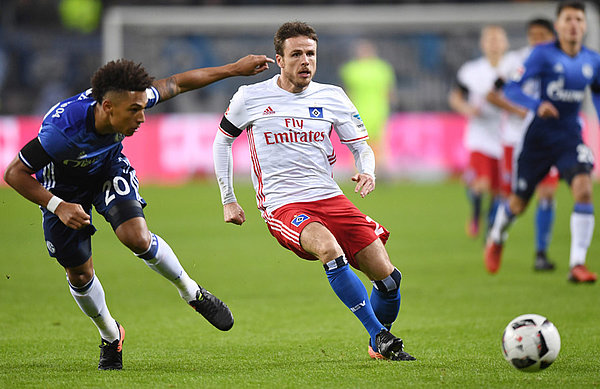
(364, 184)
(72, 215)
(547, 111)
(252, 64)
(233, 213)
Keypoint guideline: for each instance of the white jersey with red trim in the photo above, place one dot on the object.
(514, 125)
(483, 131)
(289, 139)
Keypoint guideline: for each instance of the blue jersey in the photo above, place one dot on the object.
(548, 141)
(563, 80)
(69, 137)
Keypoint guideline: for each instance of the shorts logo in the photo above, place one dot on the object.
(51, 247)
(316, 112)
(299, 219)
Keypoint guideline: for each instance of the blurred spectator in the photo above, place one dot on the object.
(80, 15)
(370, 83)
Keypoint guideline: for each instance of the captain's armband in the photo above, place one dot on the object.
(34, 156)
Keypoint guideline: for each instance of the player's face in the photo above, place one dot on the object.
(298, 63)
(493, 41)
(126, 111)
(570, 25)
(538, 34)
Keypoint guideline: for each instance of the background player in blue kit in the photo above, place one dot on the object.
(77, 160)
(565, 68)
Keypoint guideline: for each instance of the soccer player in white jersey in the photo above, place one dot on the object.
(482, 137)
(289, 120)
(538, 31)
(78, 162)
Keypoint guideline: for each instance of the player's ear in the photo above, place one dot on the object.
(107, 105)
(279, 60)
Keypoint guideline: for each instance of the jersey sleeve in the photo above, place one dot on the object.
(153, 97)
(348, 123)
(531, 69)
(53, 141)
(595, 87)
(461, 81)
(236, 116)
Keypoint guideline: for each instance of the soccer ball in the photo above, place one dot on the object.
(530, 342)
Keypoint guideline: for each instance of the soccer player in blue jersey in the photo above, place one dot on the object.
(565, 68)
(77, 162)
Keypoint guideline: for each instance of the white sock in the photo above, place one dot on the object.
(582, 229)
(90, 299)
(502, 221)
(165, 262)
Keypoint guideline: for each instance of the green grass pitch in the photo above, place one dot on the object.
(290, 329)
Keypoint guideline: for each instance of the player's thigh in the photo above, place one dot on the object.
(117, 198)
(317, 240)
(529, 169)
(374, 261)
(134, 234)
(70, 247)
(575, 159)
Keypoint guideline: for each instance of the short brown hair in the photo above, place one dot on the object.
(120, 75)
(291, 30)
(578, 5)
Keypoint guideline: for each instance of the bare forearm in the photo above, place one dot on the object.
(18, 176)
(190, 80)
(198, 78)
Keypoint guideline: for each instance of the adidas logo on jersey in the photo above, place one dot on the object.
(268, 111)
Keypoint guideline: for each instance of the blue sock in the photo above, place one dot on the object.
(385, 299)
(475, 200)
(544, 219)
(496, 201)
(349, 288)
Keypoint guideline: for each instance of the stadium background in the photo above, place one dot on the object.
(50, 48)
(291, 330)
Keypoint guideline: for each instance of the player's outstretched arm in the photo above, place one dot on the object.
(18, 176)
(193, 79)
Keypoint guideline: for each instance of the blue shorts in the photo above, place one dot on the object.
(545, 145)
(118, 183)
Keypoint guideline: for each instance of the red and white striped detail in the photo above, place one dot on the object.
(286, 232)
(354, 140)
(226, 133)
(260, 196)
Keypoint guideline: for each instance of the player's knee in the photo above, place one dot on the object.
(79, 277)
(517, 205)
(390, 284)
(327, 250)
(137, 240)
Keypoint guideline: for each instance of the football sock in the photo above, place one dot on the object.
(544, 219)
(504, 218)
(90, 299)
(494, 204)
(475, 200)
(385, 298)
(582, 229)
(349, 288)
(161, 258)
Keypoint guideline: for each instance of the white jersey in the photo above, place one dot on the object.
(484, 130)
(289, 139)
(514, 126)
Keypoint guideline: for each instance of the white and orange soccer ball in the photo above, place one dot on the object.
(530, 342)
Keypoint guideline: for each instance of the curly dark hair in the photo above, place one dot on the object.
(291, 30)
(120, 75)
